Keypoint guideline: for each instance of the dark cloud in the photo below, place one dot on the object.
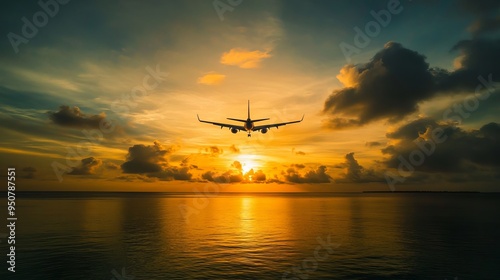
(87, 166)
(373, 144)
(429, 146)
(354, 172)
(171, 173)
(312, 176)
(477, 58)
(397, 79)
(151, 162)
(146, 159)
(226, 177)
(259, 176)
(298, 166)
(481, 8)
(389, 86)
(235, 176)
(484, 25)
(74, 117)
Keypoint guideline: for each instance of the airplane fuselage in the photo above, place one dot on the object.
(249, 125)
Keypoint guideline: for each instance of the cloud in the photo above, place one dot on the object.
(478, 57)
(211, 79)
(88, 166)
(389, 86)
(226, 177)
(298, 166)
(397, 79)
(146, 159)
(244, 58)
(74, 117)
(235, 175)
(236, 164)
(112, 166)
(461, 151)
(171, 173)
(259, 176)
(373, 144)
(354, 172)
(151, 161)
(214, 151)
(484, 25)
(300, 153)
(233, 149)
(312, 176)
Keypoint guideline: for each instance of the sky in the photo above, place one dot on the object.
(397, 95)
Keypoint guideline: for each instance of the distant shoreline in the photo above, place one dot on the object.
(421, 192)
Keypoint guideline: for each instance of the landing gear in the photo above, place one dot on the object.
(249, 135)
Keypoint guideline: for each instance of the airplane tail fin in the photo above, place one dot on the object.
(248, 109)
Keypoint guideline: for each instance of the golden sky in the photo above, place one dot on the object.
(101, 98)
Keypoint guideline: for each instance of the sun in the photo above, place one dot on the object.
(248, 162)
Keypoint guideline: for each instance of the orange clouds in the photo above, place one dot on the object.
(211, 79)
(244, 58)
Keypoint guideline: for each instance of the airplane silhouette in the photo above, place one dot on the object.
(248, 124)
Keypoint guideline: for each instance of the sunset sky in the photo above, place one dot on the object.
(103, 95)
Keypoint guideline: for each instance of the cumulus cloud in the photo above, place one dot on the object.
(74, 117)
(211, 79)
(87, 166)
(389, 86)
(235, 175)
(146, 159)
(226, 177)
(312, 176)
(354, 172)
(244, 58)
(437, 147)
(151, 162)
(397, 79)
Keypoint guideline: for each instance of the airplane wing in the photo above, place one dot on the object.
(267, 126)
(239, 127)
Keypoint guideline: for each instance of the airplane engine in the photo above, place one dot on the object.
(234, 130)
(264, 130)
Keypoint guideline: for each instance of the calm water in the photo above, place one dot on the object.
(333, 236)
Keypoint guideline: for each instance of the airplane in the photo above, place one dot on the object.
(249, 125)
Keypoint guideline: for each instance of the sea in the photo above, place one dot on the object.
(125, 236)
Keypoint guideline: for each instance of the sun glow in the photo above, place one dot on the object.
(248, 162)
